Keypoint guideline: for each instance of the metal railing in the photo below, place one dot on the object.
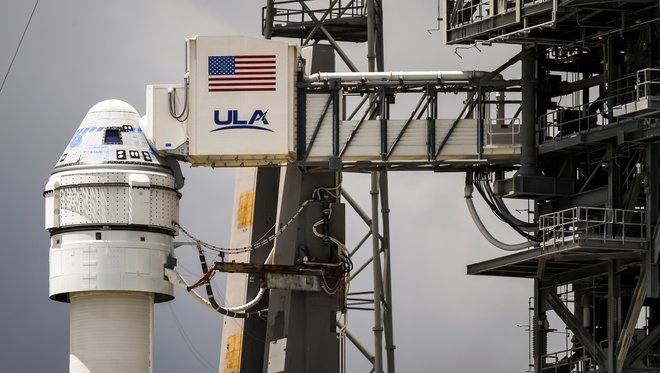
(502, 131)
(568, 121)
(593, 223)
(648, 83)
(462, 12)
(342, 9)
(574, 360)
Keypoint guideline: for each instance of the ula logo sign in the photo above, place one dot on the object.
(232, 120)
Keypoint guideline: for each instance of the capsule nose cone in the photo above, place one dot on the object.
(109, 136)
(112, 106)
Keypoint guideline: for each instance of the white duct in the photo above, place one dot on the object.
(108, 325)
(484, 231)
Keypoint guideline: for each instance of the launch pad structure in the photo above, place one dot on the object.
(576, 134)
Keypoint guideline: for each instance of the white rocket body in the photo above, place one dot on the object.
(110, 204)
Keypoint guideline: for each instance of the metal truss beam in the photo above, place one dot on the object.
(626, 335)
(576, 327)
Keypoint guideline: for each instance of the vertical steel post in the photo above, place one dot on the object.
(270, 14)
(612, 316)
(387, 281)
(529, 157)
(539, 328)
(377, 278)
(371, 40)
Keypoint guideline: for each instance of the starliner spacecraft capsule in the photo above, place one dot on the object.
(110, 206)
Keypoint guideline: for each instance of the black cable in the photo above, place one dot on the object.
(19, 46)
(214, 304)
(479, 180)
(172, 104)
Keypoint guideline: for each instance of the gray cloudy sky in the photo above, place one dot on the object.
(77, 53)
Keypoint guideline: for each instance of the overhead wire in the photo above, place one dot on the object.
(196, 354)
(19, 45)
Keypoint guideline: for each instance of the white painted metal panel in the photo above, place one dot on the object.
(231, 121)
(277, 356)
(322, 146)
(164, 132)
(119, 260)
(105, 326)
(365, 145)
(139, 201)
(236, 290)
(80, 204)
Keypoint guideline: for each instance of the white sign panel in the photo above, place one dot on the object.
(241, 99)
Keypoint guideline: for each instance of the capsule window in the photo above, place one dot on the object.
(112, 136)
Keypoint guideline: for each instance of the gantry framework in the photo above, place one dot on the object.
(593, 175)
(576, 135)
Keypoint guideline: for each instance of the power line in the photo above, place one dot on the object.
(19, 46)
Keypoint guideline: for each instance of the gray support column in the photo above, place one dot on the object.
(612, 316)
(387, 281)
(301, 326)
(539, 328)
(636, 303)
(371, 35)
(377, 276)
(651, 192)
(529, 156)
(614, 192)
(270, 14)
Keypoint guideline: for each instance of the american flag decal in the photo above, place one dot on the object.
(242, 73)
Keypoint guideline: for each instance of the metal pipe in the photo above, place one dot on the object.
(377, 276)
(371, 33)
(387, 283)
(361, 213)
(356, 342)
(359, 244)
(397, 76)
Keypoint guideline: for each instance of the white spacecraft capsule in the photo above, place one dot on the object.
(110, 204)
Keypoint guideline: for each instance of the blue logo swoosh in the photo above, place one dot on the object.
(234, 127)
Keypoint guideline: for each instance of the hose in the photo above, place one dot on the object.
(480, 225)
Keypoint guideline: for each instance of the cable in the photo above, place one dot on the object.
(244, 249)
(262, 242)
(171, 93)
(19, 46)
(481, 184)
(182, 331)
(209, 292)
(175, 278)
